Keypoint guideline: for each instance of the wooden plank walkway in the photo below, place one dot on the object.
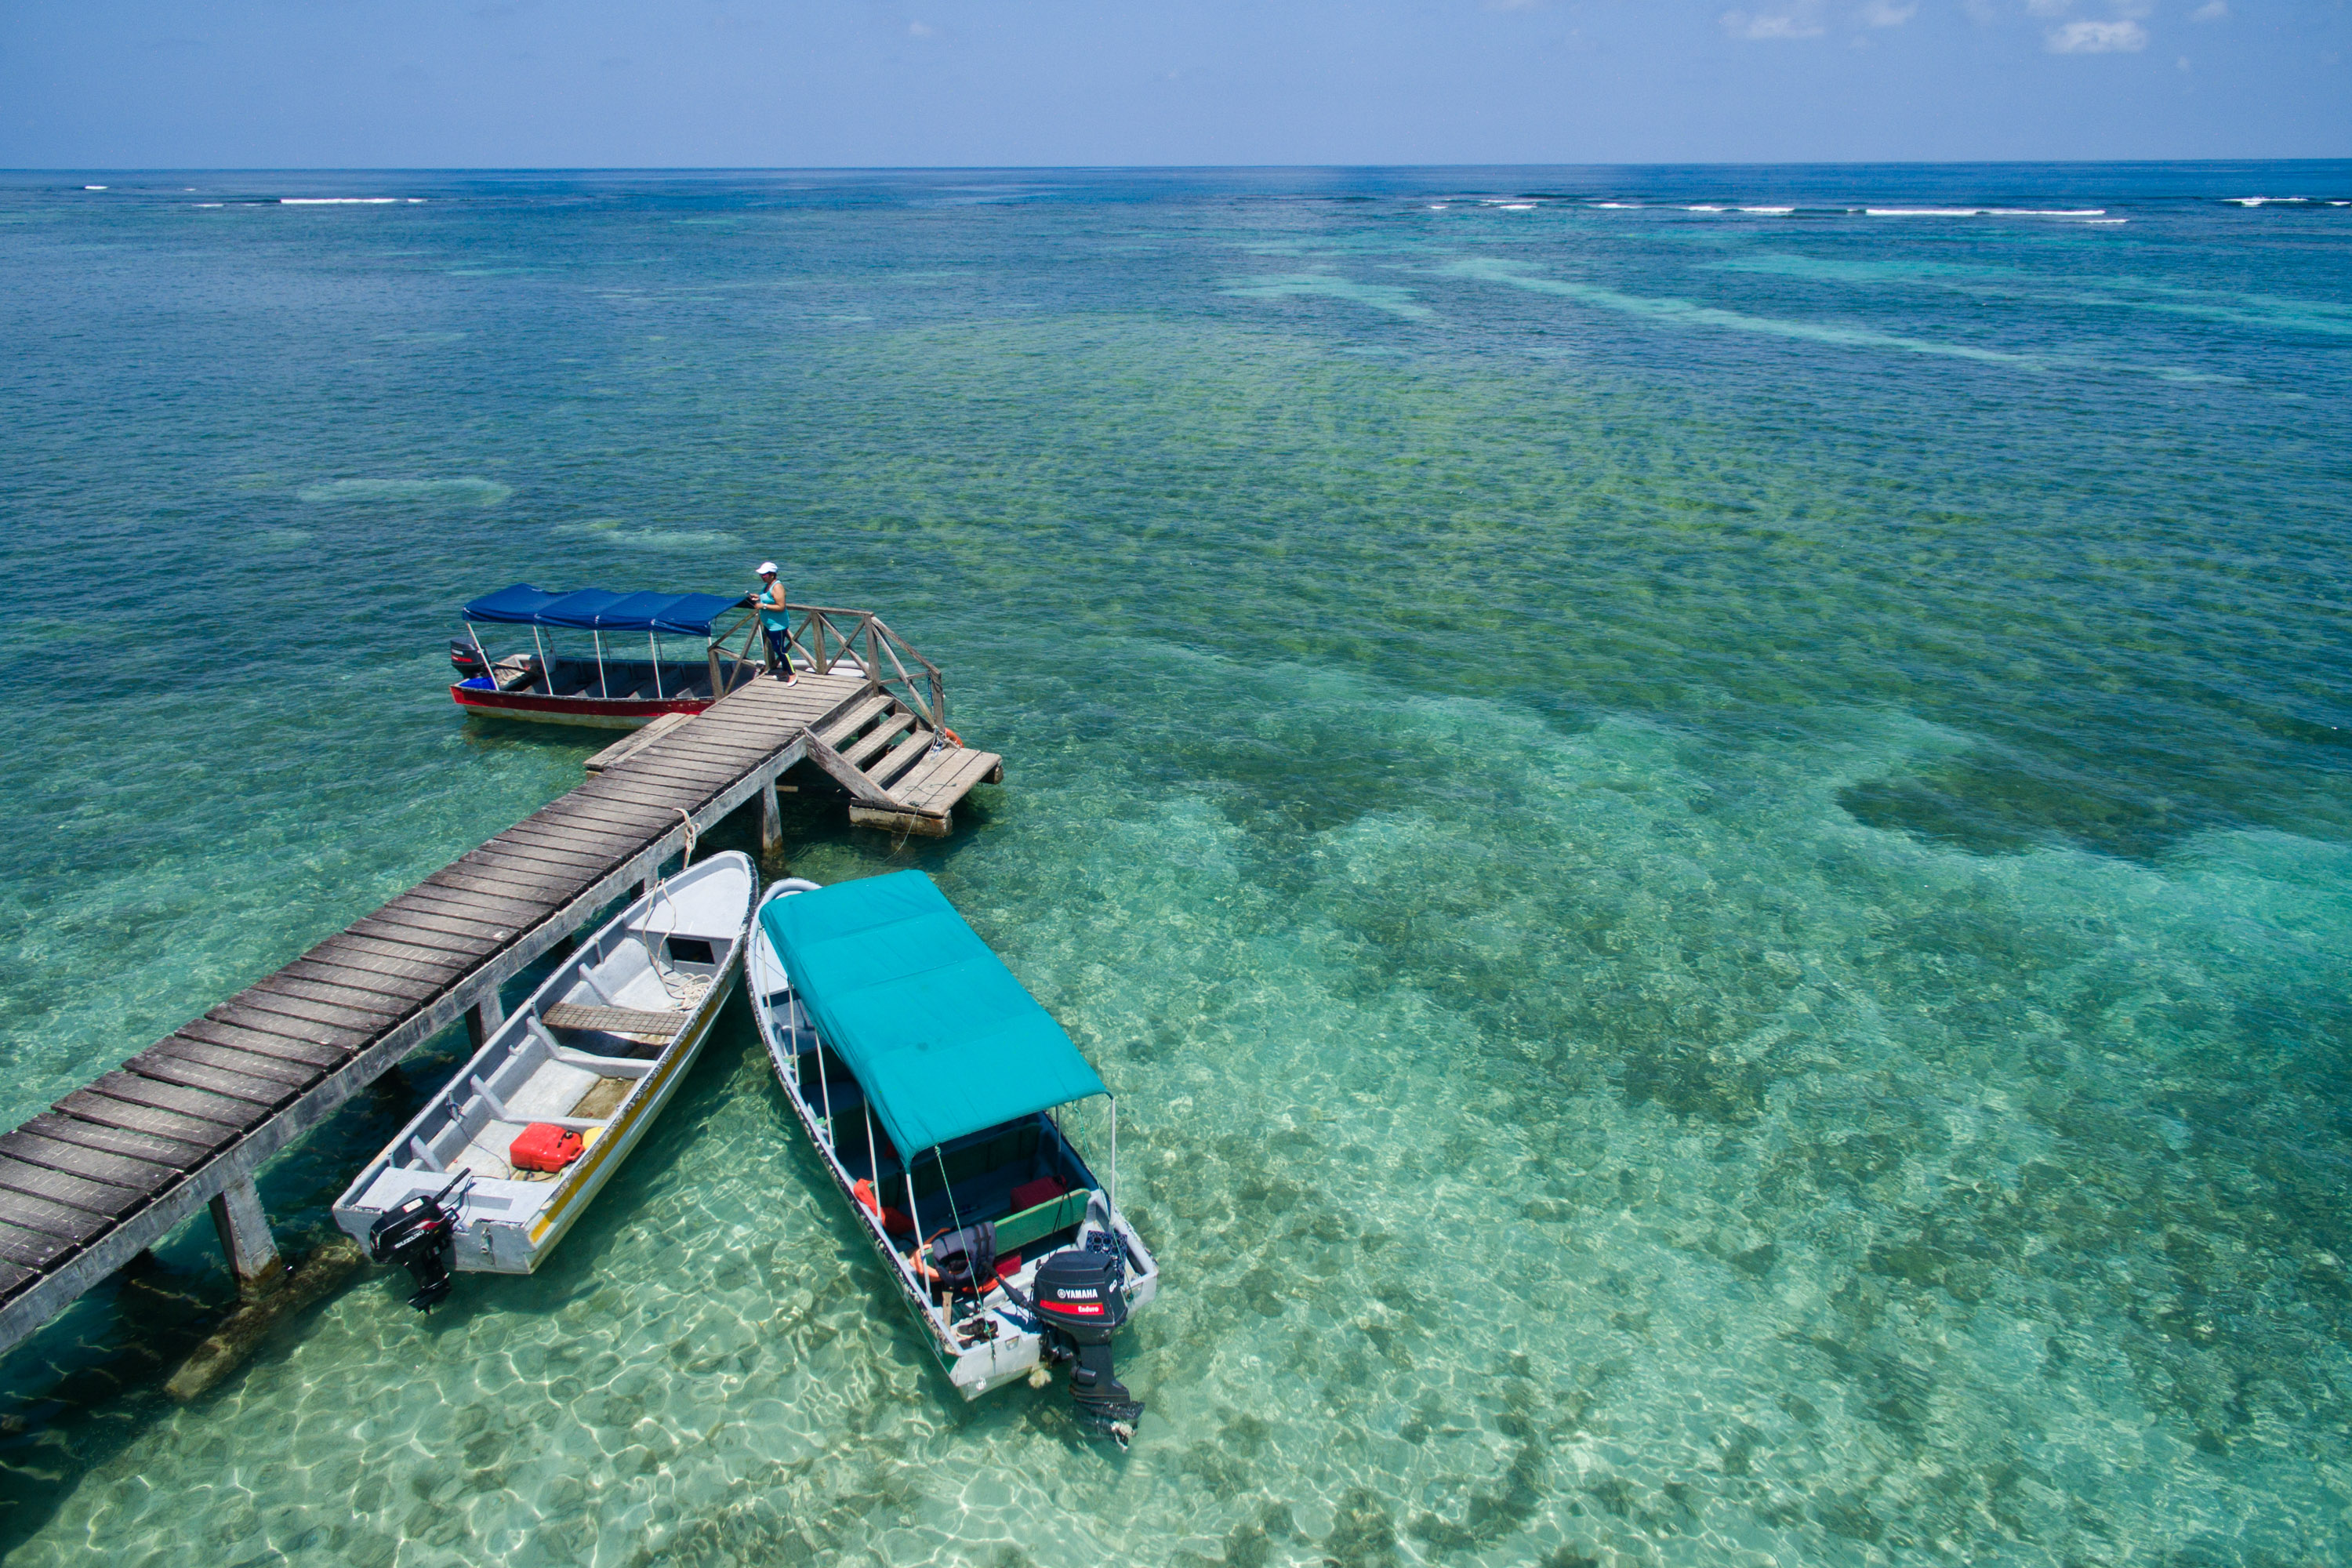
(116, 1164)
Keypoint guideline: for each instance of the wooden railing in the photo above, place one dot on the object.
(825, 639)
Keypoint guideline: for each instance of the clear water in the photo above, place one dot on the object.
(1709, 849)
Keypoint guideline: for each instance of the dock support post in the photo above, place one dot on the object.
(483, 1018)
(772, 819)
(245, 1235)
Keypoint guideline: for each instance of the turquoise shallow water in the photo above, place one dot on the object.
(1709, 848)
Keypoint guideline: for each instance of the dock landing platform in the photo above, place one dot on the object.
(185, 1125)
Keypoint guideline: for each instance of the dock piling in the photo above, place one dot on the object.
(245, 1235)
(483, 1018)
(772, 819)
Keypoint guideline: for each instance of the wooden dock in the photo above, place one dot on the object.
(117, 1165)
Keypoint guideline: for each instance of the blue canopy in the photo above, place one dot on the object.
(939, 1033)
(601, 610)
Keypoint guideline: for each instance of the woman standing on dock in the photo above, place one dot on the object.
(770, 602)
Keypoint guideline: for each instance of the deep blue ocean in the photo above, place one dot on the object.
(1701, 814)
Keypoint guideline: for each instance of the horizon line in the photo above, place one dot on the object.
(1130, 168)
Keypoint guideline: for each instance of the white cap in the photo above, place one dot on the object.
(766, 567)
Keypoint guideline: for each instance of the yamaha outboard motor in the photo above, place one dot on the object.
(462, 656)
(1081, 1302)
(421, 1235)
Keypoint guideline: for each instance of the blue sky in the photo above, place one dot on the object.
(807, 83)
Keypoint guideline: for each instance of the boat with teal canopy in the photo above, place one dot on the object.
(603, 684)
(940, 1096)
(944, 1039)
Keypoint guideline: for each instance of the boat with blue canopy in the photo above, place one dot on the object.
(556, 680)
(944, 1101)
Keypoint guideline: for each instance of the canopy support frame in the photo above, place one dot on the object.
(490, 671)
(947, 1307)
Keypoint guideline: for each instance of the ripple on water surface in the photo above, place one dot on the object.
(1722, 930)
(1629, 1159)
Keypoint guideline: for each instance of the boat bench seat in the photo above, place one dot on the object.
(631, 1022)
(1016, 1231)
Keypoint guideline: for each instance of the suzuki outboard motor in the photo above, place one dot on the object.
(462, 656)
(421, 1235)
(1081, 1302)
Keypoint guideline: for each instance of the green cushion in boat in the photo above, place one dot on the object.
(1014, 1232)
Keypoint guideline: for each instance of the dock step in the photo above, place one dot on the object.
(934, 785)
(871, 744)
(886, 753)
(838, 733)
(898, 758)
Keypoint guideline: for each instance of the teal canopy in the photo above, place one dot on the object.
(945, 1040)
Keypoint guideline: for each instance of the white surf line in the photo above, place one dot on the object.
(2007, 283)
(1686, 313)
(349, 201)
(1985, 212)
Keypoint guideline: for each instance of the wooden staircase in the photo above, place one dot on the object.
(899, 775)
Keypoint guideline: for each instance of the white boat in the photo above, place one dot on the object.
(894, 1027)
(580, 1071)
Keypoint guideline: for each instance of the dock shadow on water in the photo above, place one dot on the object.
(1719, 945)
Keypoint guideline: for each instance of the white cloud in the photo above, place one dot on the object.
(2098, 39)
(1888, 13)
(917, 30)
(1799, 19)
(2211, 10)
